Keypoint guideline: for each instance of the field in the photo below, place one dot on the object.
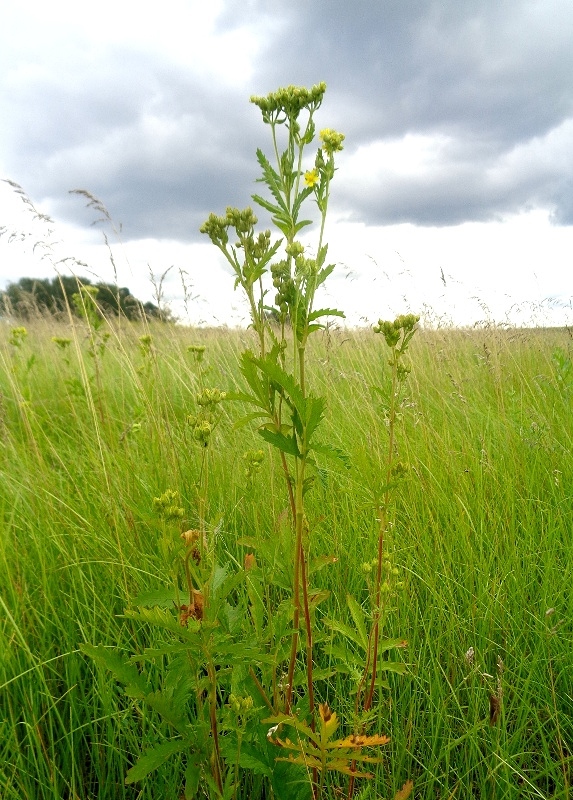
(481, 537)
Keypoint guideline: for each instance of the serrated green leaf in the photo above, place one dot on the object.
(154, 652)
(219, 576)
(299, 200)
(251, 374)
(234, 616)
(346, 631)
(272, 179)
(321, 257)
(323, 274)
(265, 204)
(302, 224)
(249, 759)
(154, 758)
(320, 562)
(393, 666)
(325, 312)
(314, 413)
(171, 713)
(332, 452)
(121, 669)
(164, 598)
(359, 620)
(192, 778)
(162, 618)
(285, 443)
(390, 644)
(240, 423)
(284, 227)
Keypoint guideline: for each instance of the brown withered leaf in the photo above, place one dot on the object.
(494, 708)
(405, 791)
(198, 604)
(250, 562)
(359, 740)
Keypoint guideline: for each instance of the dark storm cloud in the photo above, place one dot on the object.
(162, 147)
(492, 76)
(158, 147)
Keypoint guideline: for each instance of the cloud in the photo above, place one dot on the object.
(406, 180)
(454, 111)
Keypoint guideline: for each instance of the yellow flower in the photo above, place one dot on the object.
(331, 140)
(311, 177)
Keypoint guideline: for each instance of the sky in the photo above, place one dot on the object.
(453, 196)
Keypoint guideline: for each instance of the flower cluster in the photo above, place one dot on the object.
(404, 325)
(253, 463)
(167, 506)
(204, 422)
(17, 336)
(289, 101)
(331, 141)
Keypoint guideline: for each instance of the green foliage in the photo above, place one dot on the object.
(268, 584)
(479, 537)
(28, 296)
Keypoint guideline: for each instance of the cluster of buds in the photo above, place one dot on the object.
(390, 574)
(145, 343)
(284, 284)
(167, 506)
(61, 342)
(397, 335)
(241, 706)
(203, 423)
(210, 398)
(253, 463)
(258, 249)
(288, 102)
(331, 141)
(303, 267)
(202, 430)
(243, 222)
(403, 326)
(258, 246)
(198, 351)
(216, 229)
(17, 336)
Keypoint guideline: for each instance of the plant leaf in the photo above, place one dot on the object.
(192, 778)
(154, 758)
(325, 312)
(169, 711)
(359, 620)
(348, 632)
(405, 791)
(332, 452)
(285, 443)
(164, 598)
(121, 669)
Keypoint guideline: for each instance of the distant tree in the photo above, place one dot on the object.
(33, 295)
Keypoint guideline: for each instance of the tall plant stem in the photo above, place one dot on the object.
(382, 528)
(298, 554)
(216, 766)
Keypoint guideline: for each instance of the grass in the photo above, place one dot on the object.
(482, 537)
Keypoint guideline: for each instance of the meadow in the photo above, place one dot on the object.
(92, 431)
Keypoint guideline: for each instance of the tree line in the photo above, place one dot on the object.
(28, 296)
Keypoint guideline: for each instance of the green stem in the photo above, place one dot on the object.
(383, 526)
(299, 521)
(216, 766)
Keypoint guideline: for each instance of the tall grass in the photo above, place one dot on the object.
(482, 536)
